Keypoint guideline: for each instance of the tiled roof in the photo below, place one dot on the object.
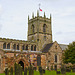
(47, 47)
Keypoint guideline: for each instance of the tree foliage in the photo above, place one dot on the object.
(69, 55)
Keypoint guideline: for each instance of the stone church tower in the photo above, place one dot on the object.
(39, 30)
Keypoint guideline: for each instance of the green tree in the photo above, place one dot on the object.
(69, 55)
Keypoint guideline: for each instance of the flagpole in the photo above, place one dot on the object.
(39, 9)
(38, 27)
(39, 5)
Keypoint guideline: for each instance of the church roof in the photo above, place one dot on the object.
(63, 47)
(47, 47)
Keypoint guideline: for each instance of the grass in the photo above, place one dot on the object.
(49, 73)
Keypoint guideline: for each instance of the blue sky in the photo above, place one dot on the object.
(14, 18)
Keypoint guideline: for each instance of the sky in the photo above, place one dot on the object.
(14, 18)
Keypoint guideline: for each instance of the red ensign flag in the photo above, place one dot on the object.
(40, 9)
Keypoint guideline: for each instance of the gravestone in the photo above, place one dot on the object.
(55, 67)
(63, 69)
(73, 68)
(58, 72)
(43, 70)
(68, 69)
(38, 60)
(34, 68)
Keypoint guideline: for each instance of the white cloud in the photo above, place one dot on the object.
(50, 0)
(14, 17)
(0, 17)
(0, 27)
(0, 9)
(65, 38)
(68, 11)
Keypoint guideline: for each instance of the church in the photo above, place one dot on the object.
(38, 50)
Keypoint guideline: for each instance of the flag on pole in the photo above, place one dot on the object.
(40, 9)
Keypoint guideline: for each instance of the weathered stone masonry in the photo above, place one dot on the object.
(38, 50)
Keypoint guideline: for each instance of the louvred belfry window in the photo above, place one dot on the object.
(32, 28)
(44, 28)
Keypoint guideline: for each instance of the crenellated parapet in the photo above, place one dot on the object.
(13, 44)
(14, 40)
(41, 18)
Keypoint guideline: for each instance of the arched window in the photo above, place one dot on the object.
(23, 47)
(14, 46)
(55, 58)
(32, 48)
(35, 48)
(44, 28)
(26, 47)
(32, 28)
(4, 46)
(18, 47)
(8, 46)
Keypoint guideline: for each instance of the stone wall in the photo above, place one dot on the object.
(16, 44)
(50, 56)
